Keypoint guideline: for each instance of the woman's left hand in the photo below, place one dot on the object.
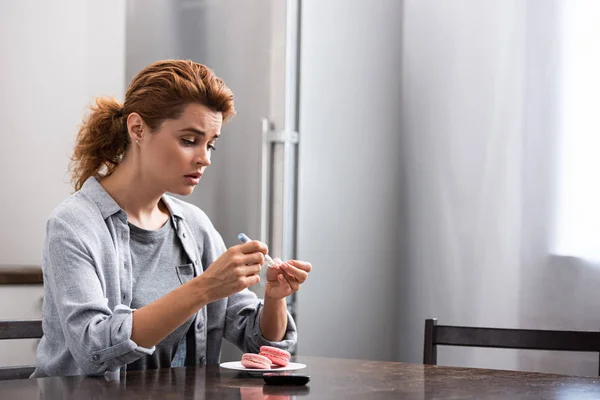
(285, 278)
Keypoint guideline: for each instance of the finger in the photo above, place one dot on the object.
(252, 258)
(287, 276)
(251, 280)
(277, 265)
(282, 280)
(305, 266)
(254, 246)
(297, 273)
(249, 270)
(291, 281)
(294, 285)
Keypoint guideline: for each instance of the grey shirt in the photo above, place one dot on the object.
(88, 288)
(160, 265)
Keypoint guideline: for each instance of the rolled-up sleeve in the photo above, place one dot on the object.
(98, 338)
(242, 324)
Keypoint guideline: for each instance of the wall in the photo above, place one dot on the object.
(462, 132)
(55, 57)
(350, 87)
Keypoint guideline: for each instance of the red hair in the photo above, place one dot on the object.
(159, 92)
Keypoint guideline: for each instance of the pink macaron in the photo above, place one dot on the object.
(277, 356)
(255, 361)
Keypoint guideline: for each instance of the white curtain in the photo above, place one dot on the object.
(577, 226)
(481, 106)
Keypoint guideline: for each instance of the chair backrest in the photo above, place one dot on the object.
(20, 329)
(529, 339)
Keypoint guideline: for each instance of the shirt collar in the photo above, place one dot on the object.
(108, 206)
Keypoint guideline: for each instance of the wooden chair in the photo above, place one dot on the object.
(24, 329)
(529, 339)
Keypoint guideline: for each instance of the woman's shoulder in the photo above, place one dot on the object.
(76, 210)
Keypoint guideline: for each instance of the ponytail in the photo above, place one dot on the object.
(101, 142)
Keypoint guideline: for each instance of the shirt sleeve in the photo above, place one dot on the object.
(98, 338)
(242, 324)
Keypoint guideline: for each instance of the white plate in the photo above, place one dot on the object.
(237, 365)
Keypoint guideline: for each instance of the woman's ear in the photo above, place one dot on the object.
(135, 127)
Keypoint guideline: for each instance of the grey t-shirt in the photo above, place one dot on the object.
(160, 265)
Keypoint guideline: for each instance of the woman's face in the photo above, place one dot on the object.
(175, 156)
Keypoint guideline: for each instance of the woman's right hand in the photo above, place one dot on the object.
(233, 271)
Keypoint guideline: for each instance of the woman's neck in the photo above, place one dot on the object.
(137, 197)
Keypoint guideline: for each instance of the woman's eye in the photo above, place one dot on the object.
(211, 147)
(188, 142)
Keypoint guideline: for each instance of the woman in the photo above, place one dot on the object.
(135, 278)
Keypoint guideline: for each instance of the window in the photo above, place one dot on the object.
(577, 229)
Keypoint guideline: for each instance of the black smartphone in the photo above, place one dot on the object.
(285, 379)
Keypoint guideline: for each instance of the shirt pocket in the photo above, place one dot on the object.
(185, 272)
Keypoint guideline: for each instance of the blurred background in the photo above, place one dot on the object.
(430, 158)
